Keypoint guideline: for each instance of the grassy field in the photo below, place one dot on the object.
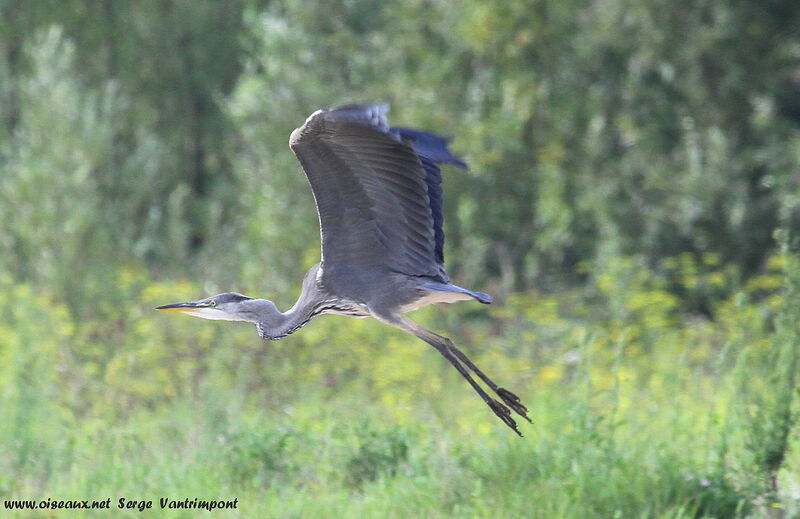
(640, 410)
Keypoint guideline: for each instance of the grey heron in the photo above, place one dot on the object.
(378, 194)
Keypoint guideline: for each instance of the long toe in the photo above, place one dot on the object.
(513, 402)
(504, 414)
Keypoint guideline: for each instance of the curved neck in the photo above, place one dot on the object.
(280, 324)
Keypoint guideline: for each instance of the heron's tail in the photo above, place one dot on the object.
(480, 296)
(448, 287)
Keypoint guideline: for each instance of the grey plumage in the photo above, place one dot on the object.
(370, 191)
(378, 195)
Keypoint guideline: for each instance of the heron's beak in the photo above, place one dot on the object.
(203, 309)
(184, 307)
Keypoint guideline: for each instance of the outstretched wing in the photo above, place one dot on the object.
(377, 189)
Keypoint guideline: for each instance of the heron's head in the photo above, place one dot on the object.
(229, 306)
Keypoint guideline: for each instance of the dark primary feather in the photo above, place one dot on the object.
(377, 189)
(432, 149)
(428, 145)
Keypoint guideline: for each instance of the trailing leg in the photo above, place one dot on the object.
(448, 350)
(507, 396)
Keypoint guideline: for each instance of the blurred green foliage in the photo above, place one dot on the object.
(633, 200)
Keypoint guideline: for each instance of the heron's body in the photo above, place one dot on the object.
(379, 199)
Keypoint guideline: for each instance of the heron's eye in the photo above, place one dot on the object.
(212, 303)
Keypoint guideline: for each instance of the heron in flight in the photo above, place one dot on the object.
(379, 199)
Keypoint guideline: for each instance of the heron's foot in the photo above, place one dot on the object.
(513, 402)
(504, 414)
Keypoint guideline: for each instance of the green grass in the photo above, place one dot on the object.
(639, 411)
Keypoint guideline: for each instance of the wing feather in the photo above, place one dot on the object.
(377, 189)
